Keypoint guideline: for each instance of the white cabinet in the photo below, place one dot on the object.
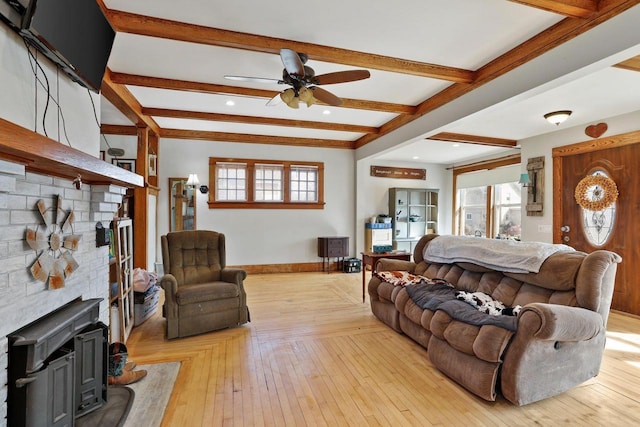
(414, 213)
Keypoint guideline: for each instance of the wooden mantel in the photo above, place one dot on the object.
(45, 156)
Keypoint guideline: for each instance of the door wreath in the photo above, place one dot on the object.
(596, 192)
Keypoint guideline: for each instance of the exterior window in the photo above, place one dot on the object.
(265, 184)
(501, 201)
(268, 183)
(473, 208)
(231, 182)
(304, 184)
(507, 211)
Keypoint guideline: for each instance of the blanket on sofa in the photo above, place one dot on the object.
(441, 296)
(502, 255)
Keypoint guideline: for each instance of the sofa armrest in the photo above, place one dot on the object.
(559, 322)
(233, 275)
(389, 264)
(170, 286)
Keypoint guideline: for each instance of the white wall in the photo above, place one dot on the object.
(279, 236)
(126, 142)
(539, 228)
(372, 193)
(264, 236)
(20, 103)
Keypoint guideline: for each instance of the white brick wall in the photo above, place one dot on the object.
(24, 299)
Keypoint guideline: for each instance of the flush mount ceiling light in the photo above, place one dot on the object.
(557, 117)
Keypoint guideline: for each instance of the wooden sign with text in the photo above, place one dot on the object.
(403, 173)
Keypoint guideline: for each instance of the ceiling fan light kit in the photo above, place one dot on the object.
(289, 97)
(557, 117)
(304, 82)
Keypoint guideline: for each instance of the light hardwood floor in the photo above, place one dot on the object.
(314, 354)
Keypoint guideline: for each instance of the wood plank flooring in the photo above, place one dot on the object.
(314, 355)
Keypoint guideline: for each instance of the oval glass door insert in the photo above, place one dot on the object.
(598, 225)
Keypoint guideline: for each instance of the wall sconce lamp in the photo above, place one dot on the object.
(530, 184)
(557, 117)
(194, 182)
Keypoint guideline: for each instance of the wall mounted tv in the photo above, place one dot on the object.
(73, 33)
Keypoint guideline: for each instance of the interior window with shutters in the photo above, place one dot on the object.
(265, 184)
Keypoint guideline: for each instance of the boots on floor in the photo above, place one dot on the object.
(128, 377)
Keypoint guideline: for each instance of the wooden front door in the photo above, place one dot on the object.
(617, 228)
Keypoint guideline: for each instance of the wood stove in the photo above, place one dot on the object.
(57, 367)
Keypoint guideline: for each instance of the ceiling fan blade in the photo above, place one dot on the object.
(341, 77)
(276, 100)
(325, 96)
(253, 79)
(292, 62)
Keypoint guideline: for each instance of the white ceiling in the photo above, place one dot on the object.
(465, 34)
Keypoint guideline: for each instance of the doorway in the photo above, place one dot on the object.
(613, 227)
(182, 205)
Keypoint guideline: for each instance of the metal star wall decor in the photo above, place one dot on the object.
(53, 244)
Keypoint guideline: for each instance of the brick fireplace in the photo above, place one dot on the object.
(24, 299)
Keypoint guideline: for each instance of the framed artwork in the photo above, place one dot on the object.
(128, 164)
(153, 165)
(102, 155)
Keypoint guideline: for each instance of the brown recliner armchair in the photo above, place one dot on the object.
(201, 295)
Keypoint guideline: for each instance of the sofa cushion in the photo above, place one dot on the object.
(189, 294)
(558, 272)
(486, 342)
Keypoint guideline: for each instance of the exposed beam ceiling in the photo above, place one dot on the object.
(590, 13)
(124, 101)
(156, 27)
(162, 83)
(560, 33)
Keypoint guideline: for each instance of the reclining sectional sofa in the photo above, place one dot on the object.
(555, 343)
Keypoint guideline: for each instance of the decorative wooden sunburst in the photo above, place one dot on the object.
(53, 243)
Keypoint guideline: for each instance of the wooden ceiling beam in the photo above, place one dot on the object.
(569, 8)
(131, 23)
(253, 120)
(255, 139)
(631, 64)
(486, 164)
(118, 130)
(124, 101)
(474, 139)
(171, 84)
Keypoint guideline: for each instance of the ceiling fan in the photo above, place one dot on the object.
(304, 82)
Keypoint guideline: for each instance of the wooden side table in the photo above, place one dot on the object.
(372, 258)
(332, 247)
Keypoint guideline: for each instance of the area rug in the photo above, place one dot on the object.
(137, 405)
(152, 394)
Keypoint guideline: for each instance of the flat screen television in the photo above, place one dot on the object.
(73, 33)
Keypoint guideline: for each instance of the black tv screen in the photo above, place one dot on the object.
(73, 33)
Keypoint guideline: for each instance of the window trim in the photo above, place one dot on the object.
(251, 203)
(472, 167)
